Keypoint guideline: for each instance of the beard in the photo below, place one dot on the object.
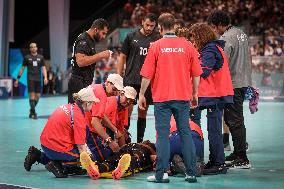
(147, 32)
(97, 37)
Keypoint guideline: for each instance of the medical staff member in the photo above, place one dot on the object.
(171, 66)
(64, 135)
(117, 112)
(215, 91)
(98, 134)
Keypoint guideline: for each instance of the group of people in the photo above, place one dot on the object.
(181, 71)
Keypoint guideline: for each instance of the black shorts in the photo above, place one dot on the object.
(148, 93)
(34, 86)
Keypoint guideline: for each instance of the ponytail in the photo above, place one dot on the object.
(76, 97)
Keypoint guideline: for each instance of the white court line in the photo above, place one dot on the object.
(19, 186)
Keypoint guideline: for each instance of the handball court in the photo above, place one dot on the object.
(265, 135)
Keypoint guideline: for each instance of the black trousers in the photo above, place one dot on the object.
(234, 118)
(75, 84)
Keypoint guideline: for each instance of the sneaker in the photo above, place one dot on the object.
(199, 168)
(215, 169)
(75, 170)
(231, 158)
(247, 147)
(122, 166)
(89, 165)
(178, 165)
(227, 147)
(190, 179)
(32, 157)
(165, 179)
(208, 165)
(56, 168)
(35, 116)
(239, 164)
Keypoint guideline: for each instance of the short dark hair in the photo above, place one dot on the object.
(151, 16)
(219, 18)
(100, 24)
(167, 21)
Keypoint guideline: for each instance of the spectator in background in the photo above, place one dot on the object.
(278, 50)
(34, 63)
(51, 81)
(268, 50)
(98, 77)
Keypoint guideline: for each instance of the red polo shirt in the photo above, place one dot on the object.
(59, 135)
(171, 62)
(118, 118)
(98, 109)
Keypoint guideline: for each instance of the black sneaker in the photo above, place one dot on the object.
(199, 168)
(75, 170)
(247, 147)
(231, 158)
(178, 165)
(56, 168)
(239, 164)
(35, 116)
(32, 157)
(190, 179)
(208, 165)
(227, 146)
(215, 169)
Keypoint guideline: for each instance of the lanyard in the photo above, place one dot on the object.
(72, 116)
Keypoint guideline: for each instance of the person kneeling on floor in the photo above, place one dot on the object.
(63, 138)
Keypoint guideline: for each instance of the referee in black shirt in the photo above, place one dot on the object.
(84, 57)
(133, 52)
(34, 62)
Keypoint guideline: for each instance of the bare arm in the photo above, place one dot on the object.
(111, 126)
(21, 71)
(194, 102)
(84, 148)
(96, 123)
(142, 101)
(44, 72)
(84, 60)
(19, 75)
(195, 81)
(120, 64)
(144, 85)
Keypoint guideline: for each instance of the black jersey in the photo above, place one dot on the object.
(140, 150)
(135, 47)
(34, 64)
(86, 45)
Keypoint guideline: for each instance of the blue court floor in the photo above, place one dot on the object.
(265, 135)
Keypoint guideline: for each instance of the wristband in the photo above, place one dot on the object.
(18, 77)
(108, 140)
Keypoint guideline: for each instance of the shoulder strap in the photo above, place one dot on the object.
(72, 115)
